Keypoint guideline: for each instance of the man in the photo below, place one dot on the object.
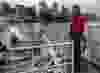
(77, 29)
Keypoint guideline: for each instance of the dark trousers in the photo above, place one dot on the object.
(76, 36)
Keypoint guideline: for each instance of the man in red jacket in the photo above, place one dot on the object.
(76, 32)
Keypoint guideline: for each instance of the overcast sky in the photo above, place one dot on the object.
(82, 3)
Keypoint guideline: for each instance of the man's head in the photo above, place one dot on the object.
(75, 10)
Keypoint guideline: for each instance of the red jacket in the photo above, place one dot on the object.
(79, 24)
